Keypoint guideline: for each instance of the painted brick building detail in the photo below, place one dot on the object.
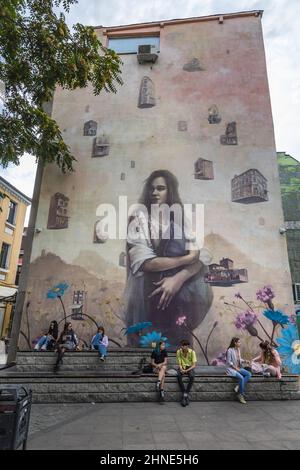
(249, 187)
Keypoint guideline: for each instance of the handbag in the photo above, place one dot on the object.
(147, 369)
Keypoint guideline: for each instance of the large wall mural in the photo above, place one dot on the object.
(177, 132)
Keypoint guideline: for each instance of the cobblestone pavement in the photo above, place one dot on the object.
(215, 426)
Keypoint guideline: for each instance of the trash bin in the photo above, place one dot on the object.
(15, 406)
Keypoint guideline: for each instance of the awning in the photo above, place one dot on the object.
(7, 292)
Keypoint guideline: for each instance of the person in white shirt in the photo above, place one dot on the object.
(100, 343)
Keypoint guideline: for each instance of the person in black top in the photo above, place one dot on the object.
(67, 341)
(159, 360)
(47, 342)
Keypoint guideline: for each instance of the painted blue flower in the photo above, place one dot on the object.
(57, 291)
(137, 327)
(289, 349)
(277, 316)
(151, 340)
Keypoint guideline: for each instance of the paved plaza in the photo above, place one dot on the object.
(133, 426)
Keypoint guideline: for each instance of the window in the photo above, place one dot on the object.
(129, 45)
(2, 312)
(4, 256)
(12, 210)
(18, 273)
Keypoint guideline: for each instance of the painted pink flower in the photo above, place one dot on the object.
(181, 320)
(245, 320)
(220, 360)
(265, 294)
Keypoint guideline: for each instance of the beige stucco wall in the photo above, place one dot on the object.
(235, 80)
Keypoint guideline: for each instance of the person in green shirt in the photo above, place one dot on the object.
(186, 358)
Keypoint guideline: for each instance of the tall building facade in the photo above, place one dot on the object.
(289, 172)
(195, 102)
(13, 206)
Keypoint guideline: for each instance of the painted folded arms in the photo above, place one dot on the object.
(143, 257)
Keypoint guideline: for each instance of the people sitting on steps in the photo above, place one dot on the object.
(100, 343)
(268, 363)
(187, 360)
(235, 368)
(159, 361)
(67, 341)
(47, 342)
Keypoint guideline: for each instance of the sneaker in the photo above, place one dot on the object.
(267, 374)
(162, 395)
(187, 400)
(236, 389)
(184, 401)
(102, 358)
(158, 385)
(241, 399)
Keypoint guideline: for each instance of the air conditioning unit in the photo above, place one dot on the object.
(147, 53)
(297, 293)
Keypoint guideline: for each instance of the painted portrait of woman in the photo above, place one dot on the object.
(165, 267)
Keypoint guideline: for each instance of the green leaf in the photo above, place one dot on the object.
(39, 52)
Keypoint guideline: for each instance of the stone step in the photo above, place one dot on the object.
(89, 361)
(120, 359)
(81, 387)
(83, 378)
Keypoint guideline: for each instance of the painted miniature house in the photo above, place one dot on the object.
(182, 126)
(230, 138)
(213, 115)
(193, 65)
(78, 304)
(226, 263)
(58, 212)
(90, 128)
(249, 187)
(204, 169)
(224, 275)
(147, 94)
(100, 147)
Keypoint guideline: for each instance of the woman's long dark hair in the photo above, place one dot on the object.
(233, 342)
(267, 350)
(65, 330)
(102, 329)
(54, 330)
(172, 185)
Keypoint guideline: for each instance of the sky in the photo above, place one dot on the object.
(282, 43)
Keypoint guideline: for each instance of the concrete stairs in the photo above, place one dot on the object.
(83, 379)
